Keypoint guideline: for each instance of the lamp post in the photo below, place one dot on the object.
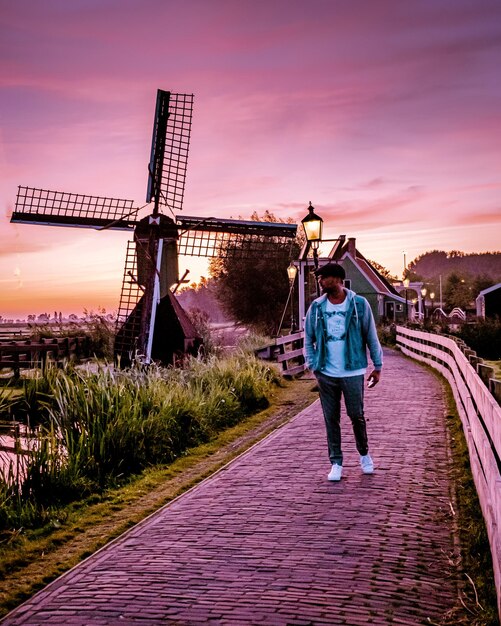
(414, 303)
(313, 225)
(406, 283)
(432, 297)
(423, 293)
(292, 273)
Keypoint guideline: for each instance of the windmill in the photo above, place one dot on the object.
(151, 324)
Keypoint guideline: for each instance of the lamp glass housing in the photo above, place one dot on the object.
(406, 282)
(313, 225)
(292, 272)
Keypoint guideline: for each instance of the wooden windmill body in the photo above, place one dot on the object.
(151, 324)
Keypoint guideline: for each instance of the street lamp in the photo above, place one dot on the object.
(423, 293)
(432, 297)
(313, 225)
(292, 273)
(406, 283)
(414, 303)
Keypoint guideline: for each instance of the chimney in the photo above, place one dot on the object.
(352, 247)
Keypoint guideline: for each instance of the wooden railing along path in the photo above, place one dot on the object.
(480, 415)
(17, 355)
(286, 350)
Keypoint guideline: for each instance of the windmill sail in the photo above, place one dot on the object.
(61, 208)
(128, 323)
(169, 149)
(216, 237)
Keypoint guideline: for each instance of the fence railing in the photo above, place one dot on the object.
(17, 355)
(480, 415)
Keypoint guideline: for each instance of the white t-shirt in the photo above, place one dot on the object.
(335, 321)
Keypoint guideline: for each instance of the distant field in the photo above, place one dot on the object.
(15, 330)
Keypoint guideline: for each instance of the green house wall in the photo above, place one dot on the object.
(361, 286)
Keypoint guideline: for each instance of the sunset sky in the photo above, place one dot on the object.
(386, 114)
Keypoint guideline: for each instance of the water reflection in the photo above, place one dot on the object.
(14, 443)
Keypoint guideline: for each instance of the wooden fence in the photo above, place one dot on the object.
(17, 355)
(480, 415)
(286, 350)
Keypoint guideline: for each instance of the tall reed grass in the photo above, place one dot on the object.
(89, 431)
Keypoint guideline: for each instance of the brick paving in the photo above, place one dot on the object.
(269, 541)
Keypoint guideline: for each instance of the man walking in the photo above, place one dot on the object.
(339, 327)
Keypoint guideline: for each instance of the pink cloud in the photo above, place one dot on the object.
(365, 214)
(491, 217)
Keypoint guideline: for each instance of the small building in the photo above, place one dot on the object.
(361, 277)
(488, 302)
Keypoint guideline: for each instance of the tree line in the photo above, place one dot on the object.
(463, 276)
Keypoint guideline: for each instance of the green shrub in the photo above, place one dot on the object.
(100, 328)
(484, 337)
(387, 335)
(201, 321)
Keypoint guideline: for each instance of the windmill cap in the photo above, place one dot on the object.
(331, 269)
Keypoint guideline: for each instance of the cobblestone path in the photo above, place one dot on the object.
(268, 540)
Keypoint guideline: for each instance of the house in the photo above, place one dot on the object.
(488, 302)
(365, 280)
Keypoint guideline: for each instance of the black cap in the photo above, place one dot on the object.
(331, 269)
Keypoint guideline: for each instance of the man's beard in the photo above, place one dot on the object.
(333, 291)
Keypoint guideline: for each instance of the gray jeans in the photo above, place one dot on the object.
(352, 389)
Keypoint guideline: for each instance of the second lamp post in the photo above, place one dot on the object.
(291, 273)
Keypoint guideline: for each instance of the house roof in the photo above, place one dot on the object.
(377, 280)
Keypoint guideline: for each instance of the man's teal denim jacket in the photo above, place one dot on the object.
(360, 334)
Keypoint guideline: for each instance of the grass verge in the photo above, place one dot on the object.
(30, 560)
(477, 600)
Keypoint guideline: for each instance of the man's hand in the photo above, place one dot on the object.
(373, 379)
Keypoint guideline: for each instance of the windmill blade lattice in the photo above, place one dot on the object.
(61, 208)
(128, 322)
(169, 149)
(213, 237)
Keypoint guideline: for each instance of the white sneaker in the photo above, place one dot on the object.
(335, 473)
(367, 464)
